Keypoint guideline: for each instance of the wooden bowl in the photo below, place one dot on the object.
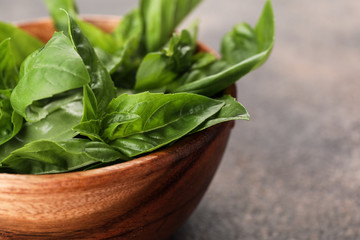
(146, 198)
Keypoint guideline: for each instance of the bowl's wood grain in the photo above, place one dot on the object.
(147, 198)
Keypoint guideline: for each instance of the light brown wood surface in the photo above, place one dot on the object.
(146, 198)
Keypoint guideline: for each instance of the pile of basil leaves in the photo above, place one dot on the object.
(88, 98)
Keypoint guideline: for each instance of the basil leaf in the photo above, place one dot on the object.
(10, 121)
(8, 70)
(212, 84)
(52, 70)
(244, 41)
(163, 119)
(126, 60)
(42, 157)
(154, 72)
(130, 27)
(95, 35)
(103, 152)
(160, 18)
(100, 80)
(126, 68)
(22, 43)
(201, 68)
(232, 110)
(59, 18)
(53, 127)
(159, 69)
(110, 61)
(239, 44)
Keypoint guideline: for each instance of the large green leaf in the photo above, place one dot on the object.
(160, 18)
(59, 18)
(10, 121)
(100, 81)
(8, 70)
(53, 70)
(56, 126)
(22, 43)
(163, 119)
(41, 157)
(249, 57)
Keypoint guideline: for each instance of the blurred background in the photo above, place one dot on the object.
(293, 171)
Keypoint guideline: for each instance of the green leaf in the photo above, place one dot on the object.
(59, 18)
(90, 104)
(124, 63)
(42, 157)
(110, 61)
(8, 70)
(97, 37)
(130, 27)
(10, 121)
(212, 84)
(244, 41)
(239, 44)
(163, 119)
(160, 18)
(22, 43)
(113, 121)
(154, 72)
(54, 69)
(53, 127)
(202, 67)
(125, 70)
(159, 69)
(232, 110)
(100, 81)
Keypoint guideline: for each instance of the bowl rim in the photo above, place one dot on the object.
(185, 143)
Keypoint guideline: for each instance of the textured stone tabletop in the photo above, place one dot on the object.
(293, 171)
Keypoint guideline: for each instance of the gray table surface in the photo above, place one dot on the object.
(293, 171)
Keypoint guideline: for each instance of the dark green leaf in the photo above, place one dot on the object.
(130, 27)
(9, 75)
(126, 60)
(163, 119)
(232, 110)
(59, 18)
(54, 69)
(100, 80)
(110, 61)
(126, 68)
(10, 121)
(154, 72)
(41, 157)
(212, 84)
(95, 35)
(160, 18)
(57, 126)
(159, 69)
(22, 43)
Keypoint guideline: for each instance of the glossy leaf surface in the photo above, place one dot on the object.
(54, 69)
(22, 43)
